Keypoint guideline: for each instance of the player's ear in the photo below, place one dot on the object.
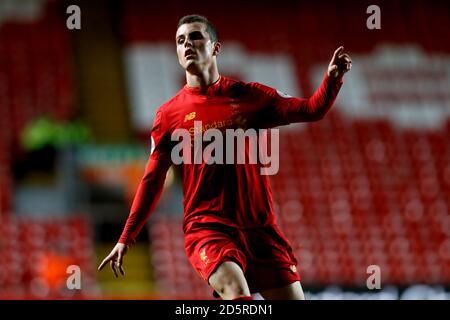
(216, 48)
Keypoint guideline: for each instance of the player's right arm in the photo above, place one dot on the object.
(147, 195)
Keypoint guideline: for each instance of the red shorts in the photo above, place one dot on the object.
(264, 254)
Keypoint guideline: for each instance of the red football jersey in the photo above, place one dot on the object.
(237, 195)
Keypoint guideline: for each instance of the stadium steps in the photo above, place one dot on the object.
(99, 70)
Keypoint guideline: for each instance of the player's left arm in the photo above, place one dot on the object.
(282, 109)
(315, 107)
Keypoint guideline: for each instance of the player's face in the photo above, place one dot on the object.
(194, 47)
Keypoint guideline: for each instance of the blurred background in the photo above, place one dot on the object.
(368, 185)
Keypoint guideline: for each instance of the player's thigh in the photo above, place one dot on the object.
(293, 291)
(228, 281)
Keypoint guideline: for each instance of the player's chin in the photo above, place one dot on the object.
(184, 63)
(192, 67)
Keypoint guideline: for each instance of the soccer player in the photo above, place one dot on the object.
(231, 236)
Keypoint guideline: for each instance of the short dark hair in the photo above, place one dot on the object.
(212, 31)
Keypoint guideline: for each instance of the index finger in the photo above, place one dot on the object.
(104, 262)
(337, 52)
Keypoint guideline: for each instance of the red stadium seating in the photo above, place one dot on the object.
(35, 255)
(36, 80)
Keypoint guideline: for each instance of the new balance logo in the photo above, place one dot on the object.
(189, 116)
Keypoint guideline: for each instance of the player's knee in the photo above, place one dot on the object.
(229, 282)
(231, 289)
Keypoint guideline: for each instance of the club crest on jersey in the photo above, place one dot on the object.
(235, 107)
(241, 122)
(293, 268)
(283, 95)
(190, 116)
(203, 256)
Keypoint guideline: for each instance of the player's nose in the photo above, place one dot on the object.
(188, 43)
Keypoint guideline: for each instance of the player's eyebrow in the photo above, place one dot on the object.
(196, 35)
(193, 35)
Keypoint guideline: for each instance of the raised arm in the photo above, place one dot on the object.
(315, 107)
(282, 109)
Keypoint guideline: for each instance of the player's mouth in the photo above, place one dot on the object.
(189, 54)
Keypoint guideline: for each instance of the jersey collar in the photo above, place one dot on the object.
(212, 89)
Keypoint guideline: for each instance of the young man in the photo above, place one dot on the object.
(231, 237)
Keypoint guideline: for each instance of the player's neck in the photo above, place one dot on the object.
(204, 79)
